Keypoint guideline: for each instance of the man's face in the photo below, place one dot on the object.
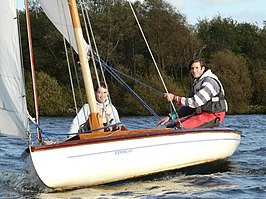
(196, 70)
(101, 94)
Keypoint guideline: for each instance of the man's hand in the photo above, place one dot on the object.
(163, 121)
(169, 96)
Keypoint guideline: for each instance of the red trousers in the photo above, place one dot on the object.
(200, 119)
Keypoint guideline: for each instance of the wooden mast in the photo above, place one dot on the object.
(94, 119)
(37, 118)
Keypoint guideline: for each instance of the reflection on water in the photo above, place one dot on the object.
(170, 187)
(166, 184)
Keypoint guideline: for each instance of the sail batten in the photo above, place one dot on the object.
(13, 109)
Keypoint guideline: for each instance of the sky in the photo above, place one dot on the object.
(250, 11)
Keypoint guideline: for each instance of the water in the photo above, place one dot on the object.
(242, 176)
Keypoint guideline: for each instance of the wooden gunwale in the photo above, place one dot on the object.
(102, 137)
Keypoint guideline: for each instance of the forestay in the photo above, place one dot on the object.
(13, 110)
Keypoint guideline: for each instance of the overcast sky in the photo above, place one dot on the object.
(250, 11)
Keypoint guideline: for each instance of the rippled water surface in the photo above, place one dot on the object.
(242, 176)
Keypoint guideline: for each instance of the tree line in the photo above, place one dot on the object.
(235, 52)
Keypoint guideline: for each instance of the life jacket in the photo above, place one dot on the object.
(105, 112)
(217, 103)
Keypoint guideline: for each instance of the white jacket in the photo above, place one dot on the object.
(107, 112)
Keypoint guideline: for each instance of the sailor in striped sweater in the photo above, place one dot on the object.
(205, 106)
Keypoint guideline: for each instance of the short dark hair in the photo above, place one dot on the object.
(200, 60)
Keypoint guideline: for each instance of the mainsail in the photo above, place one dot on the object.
(13, 109)
(58, 13)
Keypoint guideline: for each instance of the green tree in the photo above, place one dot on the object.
(110, 22)
(246, 40)
(260, 48)
(48, 46)
(231, 48)
(169, 37)
(151, 97)
(53, 99)
(219, 34)
(232, 71)
(258, 82)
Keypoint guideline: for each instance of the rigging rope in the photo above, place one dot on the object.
(37, 125)
(122, 82)
(96, 50)
(153, 59)
(82, 4)
(135, 80)
(86, 20)
(70, 75)
(93, 39)
(102, 65)
(74, 65)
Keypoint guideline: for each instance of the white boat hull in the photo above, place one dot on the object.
(104, 162)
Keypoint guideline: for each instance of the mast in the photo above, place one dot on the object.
(94, 119)
(37, 118)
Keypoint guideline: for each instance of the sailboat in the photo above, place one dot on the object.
(98, 157)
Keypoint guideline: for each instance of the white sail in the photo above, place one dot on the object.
(13, 110)
(58, 13)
